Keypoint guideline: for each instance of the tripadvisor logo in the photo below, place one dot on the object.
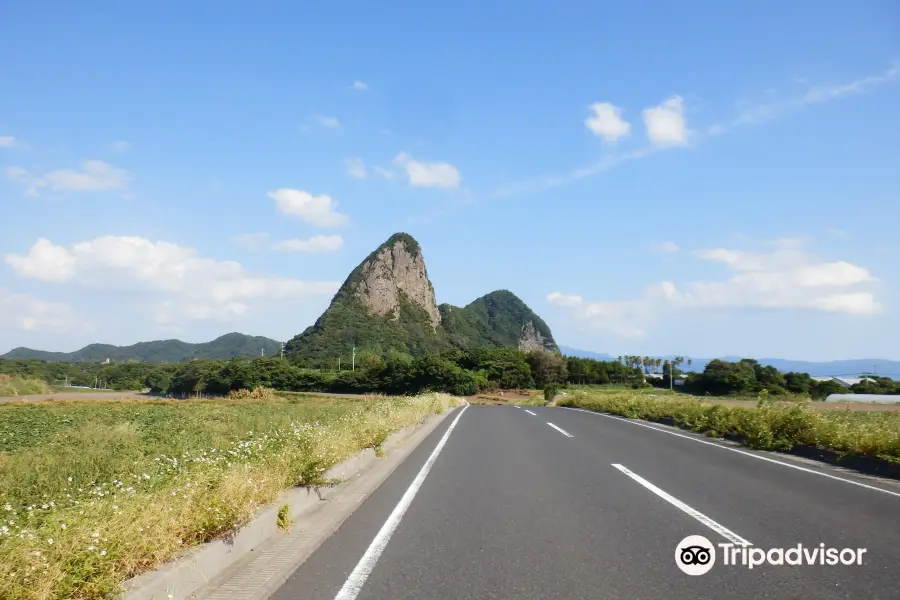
(696, 555)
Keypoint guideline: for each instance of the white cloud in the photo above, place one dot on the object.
(16, 174)
(384, 173)
(665, 123)
(428, 174)
(621, 317)
(360, 86)
(329, 122)
(95, 176)
(667, 247)
(559, 299)
(179, 283)
(859, 86)
(27, 313)
(314, 245)
(121, 146)
(355, 168)
(788, 277)
(676, 129)
(251, 241)
(319, 210)
(774, 108)
(606, 122)
(8, 141)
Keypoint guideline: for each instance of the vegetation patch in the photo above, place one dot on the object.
(21, 386)
(284, 518)
(768, 426)
(93, 493)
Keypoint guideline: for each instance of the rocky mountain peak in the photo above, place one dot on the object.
(396, 270)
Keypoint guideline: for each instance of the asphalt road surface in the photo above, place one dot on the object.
(502, 502)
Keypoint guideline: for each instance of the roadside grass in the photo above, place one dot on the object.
(742, 400)
(511, 397)
(64, 389)
(765, 426)
(19, 386)
(95, 492)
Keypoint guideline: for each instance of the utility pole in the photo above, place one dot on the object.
(354, 359)
(671, 376)
(339, 363)
(262, 352)
(282, 350)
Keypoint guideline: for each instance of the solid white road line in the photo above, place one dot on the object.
(560, 429)
(720, 529)
(750, 454)
(363, 569)
(530, 413)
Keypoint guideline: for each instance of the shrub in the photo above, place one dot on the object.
(550, 392)
(257, 393)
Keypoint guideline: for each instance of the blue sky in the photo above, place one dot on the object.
(707, 179)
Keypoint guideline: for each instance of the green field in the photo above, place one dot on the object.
(762, 425)
(94, 492)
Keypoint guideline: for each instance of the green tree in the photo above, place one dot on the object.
(547, 367)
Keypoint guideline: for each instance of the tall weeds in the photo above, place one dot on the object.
(766, 427)
(91, 495)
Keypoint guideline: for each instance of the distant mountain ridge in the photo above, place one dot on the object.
(172, 351)
(836, 368)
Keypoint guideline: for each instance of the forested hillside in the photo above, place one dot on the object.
(172, 351)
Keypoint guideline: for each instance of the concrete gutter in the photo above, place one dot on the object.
(260, 554)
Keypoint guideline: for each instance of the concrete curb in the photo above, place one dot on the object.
(181, 578)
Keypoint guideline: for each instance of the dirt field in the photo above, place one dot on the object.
(74, 396)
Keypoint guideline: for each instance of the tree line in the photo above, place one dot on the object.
(454, 371)
(747, 376)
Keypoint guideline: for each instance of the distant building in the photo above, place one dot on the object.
(850, 381)
(880, 398)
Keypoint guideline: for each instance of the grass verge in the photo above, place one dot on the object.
(93, 493)
(18, 386)
(781, 427)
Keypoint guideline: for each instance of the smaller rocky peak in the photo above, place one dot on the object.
(531, 338)
(394, 271)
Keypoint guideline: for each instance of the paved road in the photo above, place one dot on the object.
(515, 508)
